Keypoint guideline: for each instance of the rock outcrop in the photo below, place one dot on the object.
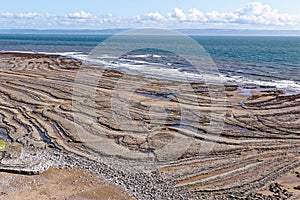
(210, 140)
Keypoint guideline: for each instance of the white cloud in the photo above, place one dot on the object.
(221, 17)
(195, 15)
(80, 15)
(6, 15)
(50, 16)
(257, 13)
(177, 14)
(29, 15)
(154, 16)
(253, 15)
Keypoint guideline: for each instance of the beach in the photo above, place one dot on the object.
(203, 142)
(60, 184)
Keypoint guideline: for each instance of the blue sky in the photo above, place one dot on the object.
(97, 14)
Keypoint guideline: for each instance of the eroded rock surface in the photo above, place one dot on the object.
(126, 121)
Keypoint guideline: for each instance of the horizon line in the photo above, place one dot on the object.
(187, 31)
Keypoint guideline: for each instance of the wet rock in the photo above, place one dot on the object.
(279, 191)
(297, 187)
(24, 161)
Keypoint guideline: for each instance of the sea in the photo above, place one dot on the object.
(246, 60)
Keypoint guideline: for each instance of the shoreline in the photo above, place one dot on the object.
(258, 142)
(289, 87)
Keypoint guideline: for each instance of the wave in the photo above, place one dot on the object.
(157, 70)
(144, 56)
(167, 71)
(287, 86)
(67, 54)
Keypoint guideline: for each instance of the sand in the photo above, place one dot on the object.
(59, 184)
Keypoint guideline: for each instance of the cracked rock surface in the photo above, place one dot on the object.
(145, 134)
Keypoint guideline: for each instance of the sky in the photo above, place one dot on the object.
(102, 14)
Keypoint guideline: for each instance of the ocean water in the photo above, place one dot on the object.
(268, 61)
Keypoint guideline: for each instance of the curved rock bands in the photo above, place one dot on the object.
(196, 137)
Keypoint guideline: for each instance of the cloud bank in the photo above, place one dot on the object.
(253, 15)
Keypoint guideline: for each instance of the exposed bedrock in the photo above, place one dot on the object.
(208, 139)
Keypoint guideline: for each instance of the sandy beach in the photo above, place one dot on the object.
(58, 183)
(55, 136)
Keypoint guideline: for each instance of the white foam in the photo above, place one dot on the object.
(157, 71)
(69, 54)
(144, 56)
(287, 86)
(139, 56)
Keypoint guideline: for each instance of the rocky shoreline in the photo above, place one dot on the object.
(140, 185)
(44, 123)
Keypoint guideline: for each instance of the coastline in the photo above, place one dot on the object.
(287, 86)
(259, 142)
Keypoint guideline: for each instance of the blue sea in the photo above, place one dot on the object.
(262, 60)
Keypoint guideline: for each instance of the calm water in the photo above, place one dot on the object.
(274, 60)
